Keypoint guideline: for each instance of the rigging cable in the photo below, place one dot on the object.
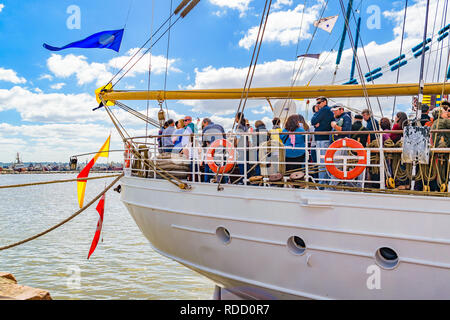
(139, 50)
(146, 51)
(167, 62)
(422, 63)
(367, 61)
(401, 51)
(183, 14)
(298, 39)
(431, 45)
(149, 67)
(440, 57)
(294, 79)
(253, 62)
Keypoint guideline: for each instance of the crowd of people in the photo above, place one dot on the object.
(176, 136)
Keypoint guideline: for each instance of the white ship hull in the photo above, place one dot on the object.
(342, 232)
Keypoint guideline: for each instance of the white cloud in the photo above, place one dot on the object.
(272, 73)
(158, 63)
(49, 108)
(85, 72)
(46, 76)
(240, 5)
(55, 142)
(10, 76)
(283, 26)
(1, 6)
(101, 73)
(58, 86)
(280, 3)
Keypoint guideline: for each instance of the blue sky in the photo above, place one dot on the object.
(46, 98)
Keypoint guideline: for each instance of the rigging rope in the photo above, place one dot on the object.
(294, 78)
(401, 49)
(431, 45)
(55, 181)
(167, 62)
(149, 67)
(145, 52)
(65, 220)
(253, 61)
(440, 56)
(139, 50)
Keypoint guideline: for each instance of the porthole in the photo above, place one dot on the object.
(296, 245)
(386, 258)
(223, 235)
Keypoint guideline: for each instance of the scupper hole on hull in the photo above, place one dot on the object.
(386, 258)
(296, 245)
(223, 235)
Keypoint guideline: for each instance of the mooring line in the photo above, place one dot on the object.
(55, 181)
(66, 220)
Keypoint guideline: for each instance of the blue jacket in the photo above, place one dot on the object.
(344, 121)
(212, 128)
(371, 128)
(167, 141)
(324, 117)
(299, 143)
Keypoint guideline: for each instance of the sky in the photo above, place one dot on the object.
(46, 98)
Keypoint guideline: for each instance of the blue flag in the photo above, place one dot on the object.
(105, 39)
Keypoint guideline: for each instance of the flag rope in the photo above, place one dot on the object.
(55, 181)
(65, 220)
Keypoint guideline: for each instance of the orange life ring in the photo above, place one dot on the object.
(127, 155)
(348, 143)
(230, 160)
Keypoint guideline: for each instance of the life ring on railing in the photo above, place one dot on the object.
(230, 159)
(127, 156)
(361, 156)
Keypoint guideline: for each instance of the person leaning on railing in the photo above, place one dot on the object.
(358, 126)
(371, 123)
(261, 136)
(342, 121)
(210, 133)
(385, 124)
(442, 121)
(242, 144)
(321, 120)
(276, 129)
(401, 120)
(294, 143)
(167, 143)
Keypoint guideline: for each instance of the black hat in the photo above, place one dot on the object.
(358, 116)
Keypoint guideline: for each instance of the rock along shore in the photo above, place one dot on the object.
(11, 290)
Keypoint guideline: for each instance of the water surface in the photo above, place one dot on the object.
(124, 266)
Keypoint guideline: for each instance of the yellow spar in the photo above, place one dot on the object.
(298, 92)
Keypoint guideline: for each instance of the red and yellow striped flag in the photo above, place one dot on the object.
(81, 185)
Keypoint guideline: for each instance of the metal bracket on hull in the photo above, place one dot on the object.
(314, 201)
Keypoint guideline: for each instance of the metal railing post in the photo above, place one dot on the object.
(307, 158)
(245, 159)
(382, 165)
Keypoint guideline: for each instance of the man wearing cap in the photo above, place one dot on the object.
(342, 121)
(321, 121)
